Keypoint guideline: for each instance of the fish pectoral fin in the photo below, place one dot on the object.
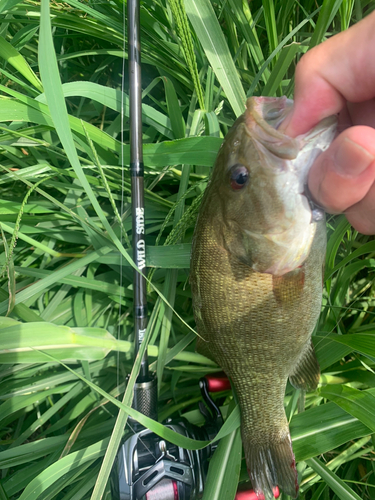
(271, 465)
(306, 373)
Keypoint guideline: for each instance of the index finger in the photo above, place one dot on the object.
(338, 70)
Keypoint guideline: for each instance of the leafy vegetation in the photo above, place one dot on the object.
(66, 292)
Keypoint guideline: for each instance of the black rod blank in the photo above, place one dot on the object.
(137, 180)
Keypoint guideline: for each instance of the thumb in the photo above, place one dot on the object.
(343, 175)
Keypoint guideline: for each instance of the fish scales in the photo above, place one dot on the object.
(255, 309)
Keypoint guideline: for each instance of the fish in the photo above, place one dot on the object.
(256, 278)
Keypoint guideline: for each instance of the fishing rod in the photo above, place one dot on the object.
(145, 389)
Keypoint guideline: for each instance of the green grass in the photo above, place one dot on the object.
(66, 291)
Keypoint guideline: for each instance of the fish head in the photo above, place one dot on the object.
(259, 183)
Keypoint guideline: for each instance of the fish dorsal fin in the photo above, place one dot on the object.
(288, 287)
(306, 373)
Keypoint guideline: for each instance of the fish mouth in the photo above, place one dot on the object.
(273, 110)
(263, 116)
(279, 239)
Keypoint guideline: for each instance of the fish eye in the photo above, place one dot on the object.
(239, 176)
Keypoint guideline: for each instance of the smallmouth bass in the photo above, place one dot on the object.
(256, 278)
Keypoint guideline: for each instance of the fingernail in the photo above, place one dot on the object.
(351, 159)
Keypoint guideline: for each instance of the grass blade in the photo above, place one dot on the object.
(327, 13)
(360, 404)
(13, 57)
(334, 482)
(204, 21)
(224, 469)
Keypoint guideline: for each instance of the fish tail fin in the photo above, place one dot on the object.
(272, 466)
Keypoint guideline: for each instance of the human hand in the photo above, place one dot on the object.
(338, 76)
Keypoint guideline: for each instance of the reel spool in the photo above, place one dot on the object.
(166, 489)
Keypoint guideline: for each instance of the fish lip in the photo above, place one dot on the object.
(265, 130)
(257, 105)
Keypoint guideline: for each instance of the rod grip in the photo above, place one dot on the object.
(146, 397)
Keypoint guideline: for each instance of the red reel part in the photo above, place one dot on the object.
(251, 495)
(217, 382)
(166, 489)
(246, 495)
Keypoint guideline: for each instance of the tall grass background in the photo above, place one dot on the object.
(66, 292)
